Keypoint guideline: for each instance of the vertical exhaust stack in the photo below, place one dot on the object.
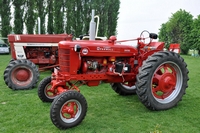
(92, 27)
(39, 30)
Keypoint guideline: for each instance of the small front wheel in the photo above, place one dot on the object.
(44, 90)
(68, 109)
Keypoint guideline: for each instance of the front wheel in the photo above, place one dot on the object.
(68, 109)
(44, 90)
(162, 80)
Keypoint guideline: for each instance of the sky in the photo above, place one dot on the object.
(138, 15)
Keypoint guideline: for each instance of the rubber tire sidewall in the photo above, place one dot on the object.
(41, 90)
(121, 90)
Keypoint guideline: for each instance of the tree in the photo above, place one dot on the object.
(71, 16)
(195, 34)
(18, 16)
(178, 29)
(5, 17)
(86, 18)
(79, 16)
(58, 16)
(112, 14)
(50, 16)
(76, 12)
(30, 16)
(41, 9)
(108, 11)
(164, 35)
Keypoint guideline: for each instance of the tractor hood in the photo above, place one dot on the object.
(98, 48)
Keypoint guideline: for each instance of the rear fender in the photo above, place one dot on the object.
(157, 45)
(147, 54)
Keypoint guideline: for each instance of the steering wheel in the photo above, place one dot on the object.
(145, 37)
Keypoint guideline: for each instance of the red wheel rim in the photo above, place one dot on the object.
(22, 76)
(70, 111)
(49, 92)
(166, 82)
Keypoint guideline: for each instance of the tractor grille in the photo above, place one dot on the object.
(64, 60)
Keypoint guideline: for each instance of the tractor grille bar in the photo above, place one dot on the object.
(64, 60)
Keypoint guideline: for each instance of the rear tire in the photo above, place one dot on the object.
(123, 89)
(162, 80)
(21, 75)
(68, 109)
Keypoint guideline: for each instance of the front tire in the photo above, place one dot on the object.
(44, 92)
(21, 75)
(68, 109)
(162, 80)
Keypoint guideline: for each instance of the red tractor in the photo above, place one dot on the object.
(28, 52)
(158, 77)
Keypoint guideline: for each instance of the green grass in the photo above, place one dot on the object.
(23, 112)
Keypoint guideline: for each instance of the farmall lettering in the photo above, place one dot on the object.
(104, 49)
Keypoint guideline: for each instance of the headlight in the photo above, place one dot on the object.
(77, 48)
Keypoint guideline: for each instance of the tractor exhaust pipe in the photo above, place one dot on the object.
(92, 27)
(39, 30)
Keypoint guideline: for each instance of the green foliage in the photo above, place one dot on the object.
(18, 16)
(178, 30)
(79, 16)
(195, 34)
(50, 16)
(58, 16)
(108, 11)
(30, 16)
(75, 17)
(6, 15)
(164, 35)
(69, 16)
(113, 11)
(41, 10)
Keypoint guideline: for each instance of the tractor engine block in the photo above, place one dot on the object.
(102, 65)
(42, 55)
(92, 65)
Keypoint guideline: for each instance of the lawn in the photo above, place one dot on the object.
(23, 112)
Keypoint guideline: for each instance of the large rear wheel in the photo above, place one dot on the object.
(162, 80)
(68, 109)
(21, 75)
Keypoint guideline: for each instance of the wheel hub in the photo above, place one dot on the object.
(167, 82)
(70, 109)
(22, 75)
